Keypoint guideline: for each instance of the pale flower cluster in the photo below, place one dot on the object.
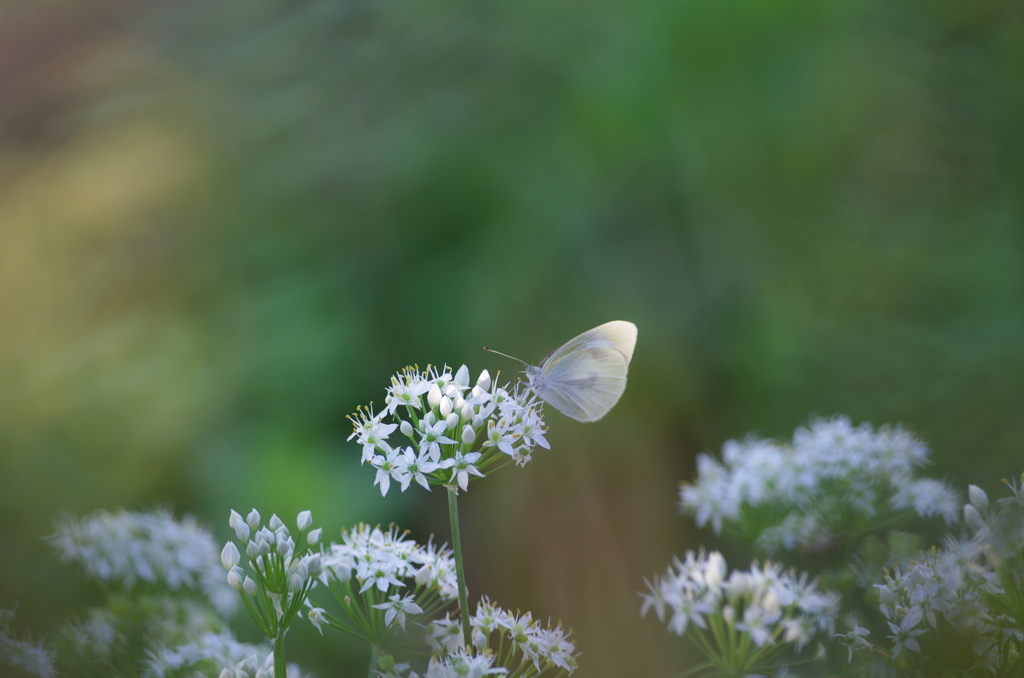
(522, 642)
(831, 473)
(128, 548)
(210, 650)
(389, 560)
(765, 603)
(439, 429)
(272, 554)
(970, 587)
(24, 655)
(456, 665)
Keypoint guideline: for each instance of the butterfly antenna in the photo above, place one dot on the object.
(505, 355)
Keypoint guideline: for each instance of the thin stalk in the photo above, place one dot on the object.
(374, 657)
(280, 662)
(460, 570)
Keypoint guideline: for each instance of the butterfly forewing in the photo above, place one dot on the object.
(618, 335)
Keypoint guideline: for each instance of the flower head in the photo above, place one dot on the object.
(454, 430)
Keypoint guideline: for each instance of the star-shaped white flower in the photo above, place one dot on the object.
(409, 467)
(432, 437)
(463, 465)
(397, 608)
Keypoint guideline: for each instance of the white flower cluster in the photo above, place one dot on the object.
(127, 548)
(284, 573)
(23, 655)
(959, 608)
(529, 642)
(998, 530)
(451, 430)
(938, 588)
(455, 665)
(832, 474)
(766, 604)
(388, 560)
(210, 650)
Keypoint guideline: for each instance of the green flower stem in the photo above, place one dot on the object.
(374, 657)
(280, 662)
(460, 570)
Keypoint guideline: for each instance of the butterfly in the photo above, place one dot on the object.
(584, 377)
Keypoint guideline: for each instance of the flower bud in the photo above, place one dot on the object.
(973, 518)
(229, 555)
(466, 412)
(445, 408)
(979, 499)
(275, 523)
(479, 640)
(253, 519)
(468, 435)
(304, 520)
(239, 526)
(299, 568)
(295, 582)
(241, 530)
(458, 402)
(714, 572)
(462, 376)
(314, 566)
(434, 396)
(424, 574)
(484, 380)
(313, 538)
(249, 586)
(406, 429)
(235, 578)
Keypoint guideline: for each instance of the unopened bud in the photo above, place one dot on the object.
(979, 499)
(235, 578)
(229, 555)
(434, 396)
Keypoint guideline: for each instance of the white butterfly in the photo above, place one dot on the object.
(584, 377)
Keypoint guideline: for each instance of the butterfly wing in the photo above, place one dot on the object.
(586, 376)
(619, 335)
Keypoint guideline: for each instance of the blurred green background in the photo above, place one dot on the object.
(224, 225)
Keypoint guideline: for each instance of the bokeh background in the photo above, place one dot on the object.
(224, 225)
